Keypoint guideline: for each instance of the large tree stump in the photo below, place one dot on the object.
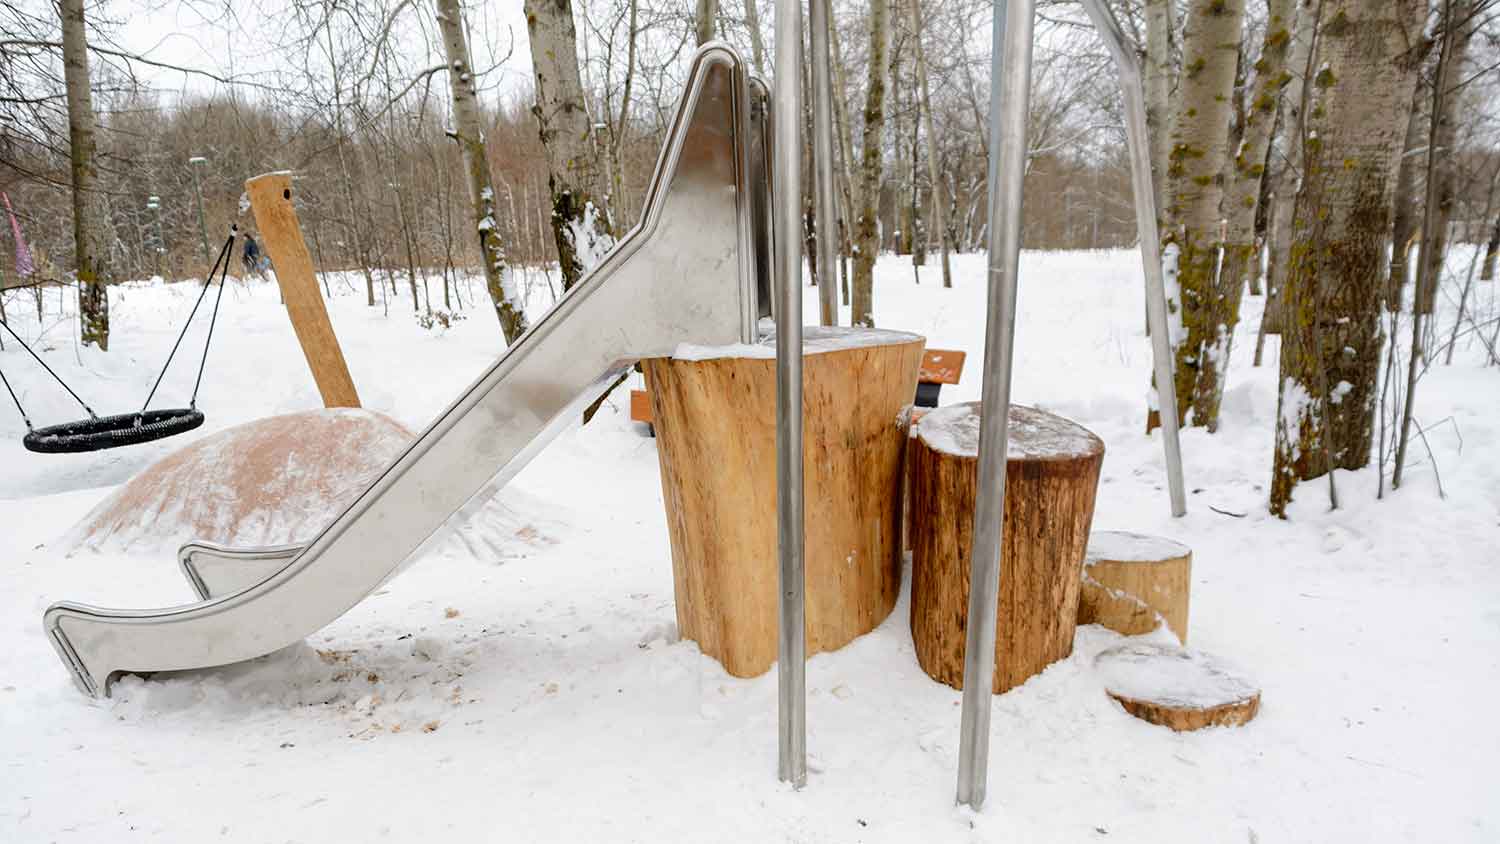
(715, 420)
(1050, 480)
(1176, 687)
(1125, 573)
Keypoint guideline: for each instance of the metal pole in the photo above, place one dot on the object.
(822, 109)
(1139, 144)
(194, 163)
(786, 177)
(1010, 89)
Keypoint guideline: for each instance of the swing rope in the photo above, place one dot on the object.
(54, 375)
(187, 323)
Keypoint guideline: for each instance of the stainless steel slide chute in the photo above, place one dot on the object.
(686, 273)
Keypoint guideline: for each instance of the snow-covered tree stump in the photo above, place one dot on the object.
(1051, 476)
(1131, 580)
(1177, 687)
(715, 417)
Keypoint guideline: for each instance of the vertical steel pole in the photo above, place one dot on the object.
(1138, 141)
(786, 177)
(1010, 92)
(822, 108)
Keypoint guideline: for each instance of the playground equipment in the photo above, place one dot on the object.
(698, 269)
(686, 273)
(145, 425)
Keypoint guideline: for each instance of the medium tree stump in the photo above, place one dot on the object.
(715, 417)
(1176, 687)
(1050, 480)
(1147, 570)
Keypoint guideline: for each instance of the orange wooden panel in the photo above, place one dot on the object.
(640, 406)
(941, 366)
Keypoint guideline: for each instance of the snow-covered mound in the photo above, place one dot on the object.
(272, 481)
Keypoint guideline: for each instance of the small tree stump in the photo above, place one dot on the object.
(1134, 570)
(715, 417)
(1177, 687)
(1051, 476)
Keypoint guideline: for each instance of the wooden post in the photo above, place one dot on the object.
(271, 198)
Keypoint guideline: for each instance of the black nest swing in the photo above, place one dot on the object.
(101, 432)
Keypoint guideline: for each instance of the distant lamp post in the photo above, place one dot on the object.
(195, 163)
(153, 203)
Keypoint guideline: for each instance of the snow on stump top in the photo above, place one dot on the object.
(1126, 573)
(1031, 434)
(1177, 687)
(273, 481)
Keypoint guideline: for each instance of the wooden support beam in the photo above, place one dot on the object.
(281, 234)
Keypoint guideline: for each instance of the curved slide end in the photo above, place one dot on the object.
(91, 680)
(215, 570)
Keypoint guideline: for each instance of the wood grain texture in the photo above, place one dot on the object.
(1162, 583)
(271, 199)
(1186, 719)
(716, 443)
(1115, 609)
(1049, 503)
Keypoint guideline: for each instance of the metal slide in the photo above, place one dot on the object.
(687, 273)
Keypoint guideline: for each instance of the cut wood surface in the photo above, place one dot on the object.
(1177, 687)
(271, 198)
(1153, 570)
(1051, 476)
(714, 412)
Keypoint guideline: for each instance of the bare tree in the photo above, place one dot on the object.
(1200, 135)
(1330, 352)
(867, 224)
(935, 183)
(88, 226)
(469, 133)
(1240, 203)
(580, 211)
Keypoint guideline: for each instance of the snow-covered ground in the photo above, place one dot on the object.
(525, 682)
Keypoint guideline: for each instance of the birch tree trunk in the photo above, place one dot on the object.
(1405, 205)
(867, 225)
(580, 212)
(703, 22)
(1438, 205)
(1293, 99)
(1200, 135)
(1160, 74)
(88, 222)
(1490, 250)
(1458, 25)
(934, 178)
(757, 44)
(1330, 348)
(468, 131)
(1241, 201)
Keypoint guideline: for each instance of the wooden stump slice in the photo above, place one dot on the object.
(1050, 480)
(715, 414)
(1177, 687)
(1151, 570)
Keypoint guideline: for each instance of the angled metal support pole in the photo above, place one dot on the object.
(822, 109)
(1139, 144)
(786, 181)
(1010, 91)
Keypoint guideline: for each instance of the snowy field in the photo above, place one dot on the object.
(528, 684)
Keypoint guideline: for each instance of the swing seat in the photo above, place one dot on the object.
(112, 431)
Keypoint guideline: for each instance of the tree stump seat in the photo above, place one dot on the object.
(1052, 474)
(1177, 687)
(714, 411)
(1132, 583)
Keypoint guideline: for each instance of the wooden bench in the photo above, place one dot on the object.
(939, 367)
